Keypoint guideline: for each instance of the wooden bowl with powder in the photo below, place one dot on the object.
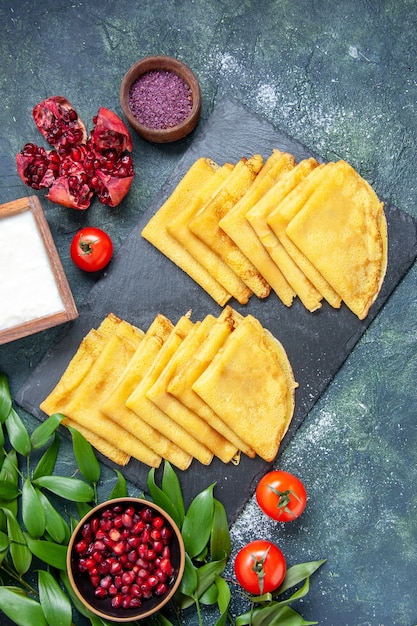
(161, 98)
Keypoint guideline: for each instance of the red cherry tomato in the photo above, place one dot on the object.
(281, 495)
(260, 567)
(91, 249)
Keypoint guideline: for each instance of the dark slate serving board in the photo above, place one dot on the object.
(141, 282)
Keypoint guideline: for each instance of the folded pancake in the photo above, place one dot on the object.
(247, 386)
(286, 210)
(342, 230)
(193, 423)
(157, 234)
(139, 402)
(57, 401)
(205, 224)
(84, 406)
(238, 228)
(114, 406)
(207, 340)
(212, 262)
(87, 352)
(258, 216)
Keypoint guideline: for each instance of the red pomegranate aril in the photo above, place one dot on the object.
(158, 522)
(162, 576)
(132, 556)
(158, 546)
(128, 578)
(153, 581)
(119, 547)
(135, 603)
(118, 581)
(161, 589)
(94, 524)
(127, 520)
(101, 593)
(142, 574)
(81, 547)
(103, 567)
(106, 581)
(116, 567)
(118, 522)
(166, 534)
(166, 567)
(113, 590)
(133, 541)
(114, 534)
(166, 554)
(146, 591)
(116, 601)
(135, 590)
(126, 600)
(95, 580)
(151, 555)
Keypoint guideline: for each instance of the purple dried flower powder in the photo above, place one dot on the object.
(160, 99)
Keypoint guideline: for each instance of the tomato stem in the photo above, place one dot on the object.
(258, 568)
(284, 498)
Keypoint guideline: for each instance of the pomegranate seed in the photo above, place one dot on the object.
(100, 592)
(127, 520)
(115, 567)
(158, 522)
(161, 589)
(114, 534)
(95, 580)
(81, 547)
(126, 600)
(166, 567)
(106, 581)
(116, 601)
(119, 547)
(128, 578)
(135, 591)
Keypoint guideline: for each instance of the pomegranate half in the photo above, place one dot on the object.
(79, 165)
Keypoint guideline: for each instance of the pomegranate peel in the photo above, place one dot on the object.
(79, 166)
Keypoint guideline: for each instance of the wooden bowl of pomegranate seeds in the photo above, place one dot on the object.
(125, 559)
(161, 98)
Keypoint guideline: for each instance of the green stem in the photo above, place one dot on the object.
(13, 574)
(197, 606)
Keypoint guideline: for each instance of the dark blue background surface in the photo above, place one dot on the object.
(341, 79)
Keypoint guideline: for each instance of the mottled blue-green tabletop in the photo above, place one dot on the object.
(340, 77)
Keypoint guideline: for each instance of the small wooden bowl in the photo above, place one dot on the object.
(163, 63)
(80, 581)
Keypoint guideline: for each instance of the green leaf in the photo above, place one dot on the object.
(8, 490)
(4, 541)
(120, 488)
(161, 499)
(46, 463)
(198, 520)
(223, 595)
(220, 542)
(33, 514)
(85, 457)
(189, 580)
(71, 593)
(55, 603)
(21, 609)
(18, 435)
(209, 597)
(206, 575)
(48, 552)
(172, 488)
(44, 431)
(56, 526)
(19, 551)
(68, 488)
(278, 615)
(297, 573)
(5, 398)
(1, 438)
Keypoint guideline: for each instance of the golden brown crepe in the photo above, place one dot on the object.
(247, 387)
(207, 340)
(84, 407)
(74, 374)
(258, 217)
(205, 224)
(238, 228)
(182, 414)
(178, 228)
(285, 211)
(114, 406)
(157, 234)
(139, 402)
(342, 230)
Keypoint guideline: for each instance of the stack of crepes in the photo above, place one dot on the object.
(220, 387)
(308, 230)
